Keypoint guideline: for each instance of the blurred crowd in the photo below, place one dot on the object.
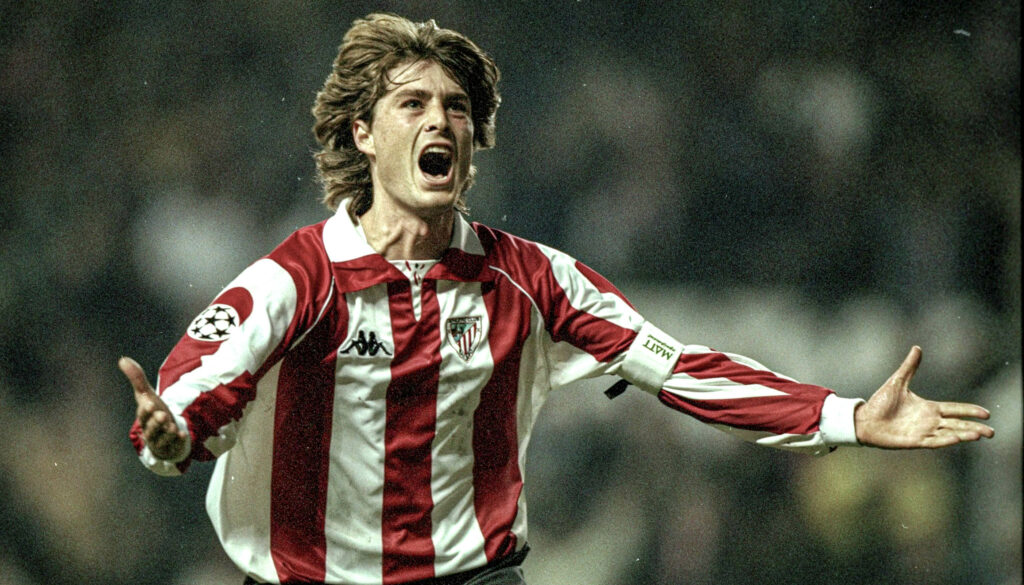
(815, 185)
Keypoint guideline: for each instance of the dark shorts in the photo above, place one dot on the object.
(505, 571)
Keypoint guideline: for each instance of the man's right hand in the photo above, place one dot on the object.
(165, 440)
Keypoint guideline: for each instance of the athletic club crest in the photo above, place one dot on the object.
(463, 335)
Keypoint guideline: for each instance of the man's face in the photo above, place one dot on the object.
(420, 144)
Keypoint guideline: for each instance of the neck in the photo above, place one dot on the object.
(406, 236)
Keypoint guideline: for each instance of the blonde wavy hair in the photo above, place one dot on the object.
(359, 77)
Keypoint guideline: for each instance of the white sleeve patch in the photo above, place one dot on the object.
(650, 359)
(215, 323)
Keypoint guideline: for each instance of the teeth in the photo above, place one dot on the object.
(437, 150)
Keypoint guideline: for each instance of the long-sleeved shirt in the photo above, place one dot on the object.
(370, 424)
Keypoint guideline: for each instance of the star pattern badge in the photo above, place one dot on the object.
(216, 323)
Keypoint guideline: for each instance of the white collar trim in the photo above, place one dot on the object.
(345, 241)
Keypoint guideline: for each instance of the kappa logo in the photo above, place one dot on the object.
(463, 335)
(365, 346)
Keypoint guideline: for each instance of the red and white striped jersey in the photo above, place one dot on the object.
(371, 427)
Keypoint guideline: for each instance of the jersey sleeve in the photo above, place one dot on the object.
(588, 322)
(211, 374)
(594, 331)
(739, 395)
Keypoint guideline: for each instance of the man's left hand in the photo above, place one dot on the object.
(896, 418)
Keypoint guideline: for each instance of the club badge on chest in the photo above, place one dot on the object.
(463, 335)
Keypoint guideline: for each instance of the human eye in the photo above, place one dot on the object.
(412, 103)
(459, 106)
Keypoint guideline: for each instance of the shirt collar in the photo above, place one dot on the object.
(348, 250)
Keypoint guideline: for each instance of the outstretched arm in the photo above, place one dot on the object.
(896, 418)
(165, 440)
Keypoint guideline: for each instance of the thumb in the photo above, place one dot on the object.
(136, 376)
(906, 371)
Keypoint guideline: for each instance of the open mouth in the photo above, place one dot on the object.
(436, 162)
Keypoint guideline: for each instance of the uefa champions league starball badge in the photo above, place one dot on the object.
(215, 323)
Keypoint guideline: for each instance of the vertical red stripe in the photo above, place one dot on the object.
(599, 337)
(408, 550)
(497, 481)
(302, 441)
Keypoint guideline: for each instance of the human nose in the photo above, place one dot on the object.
(437, 118)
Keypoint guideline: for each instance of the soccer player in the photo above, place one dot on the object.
(369, 387)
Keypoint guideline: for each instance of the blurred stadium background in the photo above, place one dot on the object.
(818, 185)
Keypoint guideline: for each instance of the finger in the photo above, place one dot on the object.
(906, 371)
(154, 425)
(169, 445)
(963, 410)
(164, 439)
(959, 424)
(136, 376)
(975, 430)
(164, 423)
(941, 440)
(960, 436)
(968, 435)
(161, 441)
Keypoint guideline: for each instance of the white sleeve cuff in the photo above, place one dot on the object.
(157, 466)
(836, 425)
(650, 359)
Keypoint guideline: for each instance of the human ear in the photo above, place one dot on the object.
(362, 137)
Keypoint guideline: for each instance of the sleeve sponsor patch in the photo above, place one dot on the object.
(650, 359)
(216, 323)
